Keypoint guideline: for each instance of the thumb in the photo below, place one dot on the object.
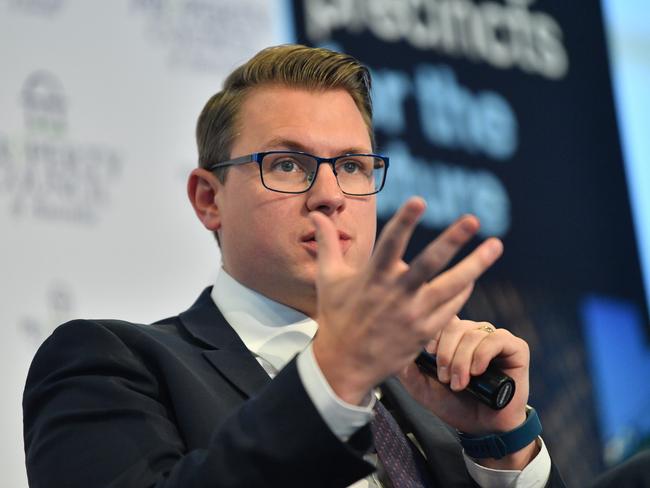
(330, 257)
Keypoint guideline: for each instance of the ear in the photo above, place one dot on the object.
(202, 189)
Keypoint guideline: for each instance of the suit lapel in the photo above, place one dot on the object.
(240, 368)
(225, 350)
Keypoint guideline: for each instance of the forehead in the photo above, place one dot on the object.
(326, 122)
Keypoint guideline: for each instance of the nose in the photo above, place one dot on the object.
(325, 195)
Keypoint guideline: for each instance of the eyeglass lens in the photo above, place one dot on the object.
(290, 172)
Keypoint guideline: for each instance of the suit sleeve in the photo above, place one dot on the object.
(95, 415)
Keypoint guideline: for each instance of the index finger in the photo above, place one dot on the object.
(396, 234)
(330, 257)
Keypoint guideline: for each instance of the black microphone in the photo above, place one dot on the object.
(493, 387)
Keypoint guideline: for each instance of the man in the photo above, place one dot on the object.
(189, 401)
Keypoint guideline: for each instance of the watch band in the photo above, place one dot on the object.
(499, 445)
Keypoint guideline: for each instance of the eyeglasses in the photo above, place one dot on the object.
(295, 171)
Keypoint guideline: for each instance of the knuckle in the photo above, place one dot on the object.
(444, 359)
(422, 329)
(470, 288)
(477, 333)
(455, 328)
(503, 332)
(481, 357)
(524, 346)
(456, 241)
(433, 260)
(403, 221)
(456, 370)
(388, 240)
(459, 368)
(434, 294)
(410, 317)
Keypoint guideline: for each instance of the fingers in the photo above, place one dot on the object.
(445, 314)
(465, 349)
(503, 345)
(396, 233)
(453, 281)
(330, 257)
(438, 253)
(456, 351)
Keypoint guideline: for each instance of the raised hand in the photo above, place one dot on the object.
(373, 321)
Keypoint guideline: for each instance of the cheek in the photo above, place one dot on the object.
(267, 233)
(251, 214)
(251, 249)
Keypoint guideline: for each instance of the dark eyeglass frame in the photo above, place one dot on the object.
(259, 156)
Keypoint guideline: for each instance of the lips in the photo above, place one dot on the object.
(311, 236)
(309, 241)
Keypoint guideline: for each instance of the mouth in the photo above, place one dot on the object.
(309, 241)
(311, 236)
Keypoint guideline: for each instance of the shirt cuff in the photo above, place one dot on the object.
(342, 418)
(534, 475)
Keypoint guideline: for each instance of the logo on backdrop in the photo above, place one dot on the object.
(43, 174)
(207, 35)
(502, 35)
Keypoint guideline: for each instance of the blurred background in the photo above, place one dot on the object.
(533, 115)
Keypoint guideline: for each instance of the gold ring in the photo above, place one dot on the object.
(486, 328)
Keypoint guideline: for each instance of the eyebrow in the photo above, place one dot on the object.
(292, 145)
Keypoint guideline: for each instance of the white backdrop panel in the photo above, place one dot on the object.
(98, 103)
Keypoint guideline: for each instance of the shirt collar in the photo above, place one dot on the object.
(269, 329)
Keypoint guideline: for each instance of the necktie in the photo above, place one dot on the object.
(402, 462)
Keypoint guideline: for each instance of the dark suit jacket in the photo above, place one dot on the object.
(183, 403)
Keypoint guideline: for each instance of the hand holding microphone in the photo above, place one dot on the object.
(493, 388)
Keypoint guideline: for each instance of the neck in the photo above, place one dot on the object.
(299, 296)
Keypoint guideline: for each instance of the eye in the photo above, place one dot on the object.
(286, 165)
(351, 166)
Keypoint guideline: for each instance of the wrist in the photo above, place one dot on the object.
(344, 380)
(515, 461)
(505, 423)
(505, 450)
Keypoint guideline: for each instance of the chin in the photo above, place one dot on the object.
(307, 277)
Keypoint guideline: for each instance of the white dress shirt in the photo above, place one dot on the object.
(275, 333)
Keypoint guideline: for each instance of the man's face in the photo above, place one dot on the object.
(267, 240)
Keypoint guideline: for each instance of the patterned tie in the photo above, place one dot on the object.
(401, 460)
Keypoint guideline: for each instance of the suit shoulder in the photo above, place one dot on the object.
(99, 341)
(79, 330)
(92, 325)
(82, 338)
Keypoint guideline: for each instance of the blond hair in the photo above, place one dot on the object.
(290, 65)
